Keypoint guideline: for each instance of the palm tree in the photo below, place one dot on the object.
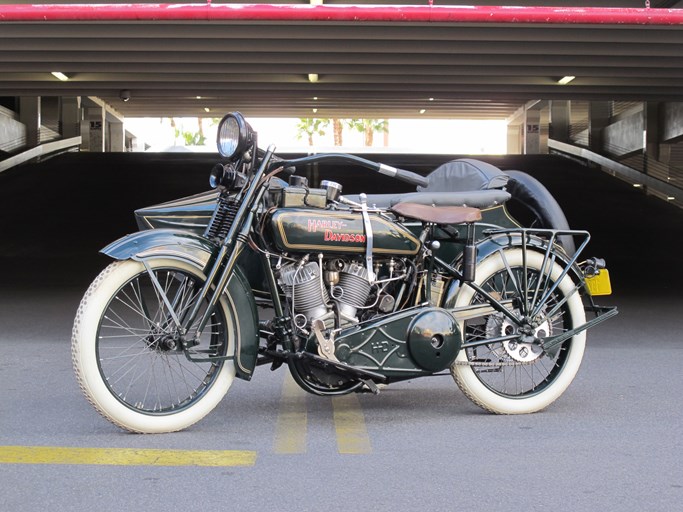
(338, 127)
(369, 127)
(310, 126)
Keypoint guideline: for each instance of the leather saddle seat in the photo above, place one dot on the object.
(437, 214)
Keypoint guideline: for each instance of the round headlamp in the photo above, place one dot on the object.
(233, 135)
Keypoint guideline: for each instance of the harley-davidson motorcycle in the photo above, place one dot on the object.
(351, 293)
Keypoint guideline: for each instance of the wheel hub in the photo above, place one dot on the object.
(162, 341)
(527, 347)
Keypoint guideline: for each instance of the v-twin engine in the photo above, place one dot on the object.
(316, 294)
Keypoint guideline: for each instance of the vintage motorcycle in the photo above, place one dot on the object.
(350, 293)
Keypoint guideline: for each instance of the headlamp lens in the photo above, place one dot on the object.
(233, 135)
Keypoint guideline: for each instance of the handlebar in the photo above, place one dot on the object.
(401, 174)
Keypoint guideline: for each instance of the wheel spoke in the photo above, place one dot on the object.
(499, 366)
(136, 338)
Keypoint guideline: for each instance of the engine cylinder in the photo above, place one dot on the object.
(353, 289)
(303, 286)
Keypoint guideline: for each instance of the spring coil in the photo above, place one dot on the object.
(222, 219)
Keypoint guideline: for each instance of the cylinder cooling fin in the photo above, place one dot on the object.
(302, 284)
(353, 288)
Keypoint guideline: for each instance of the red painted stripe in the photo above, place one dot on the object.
(340, 13)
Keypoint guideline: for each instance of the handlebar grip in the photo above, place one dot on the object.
(403, 175)
(412, 177)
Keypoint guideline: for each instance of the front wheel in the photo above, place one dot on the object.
(125, 347)
(517, 376)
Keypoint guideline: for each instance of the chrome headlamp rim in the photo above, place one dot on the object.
(232, 136)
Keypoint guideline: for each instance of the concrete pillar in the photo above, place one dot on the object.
(117, 137)
(29, 116)
(560, 120)
(651, 134)
(671, 115)
(95, 117)
(70, 117)
(651, 125)
(532, 132)
(665, 154)
(49, 115)
(514, 139)
(598, 119)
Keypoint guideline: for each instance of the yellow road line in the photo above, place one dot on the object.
(292, 420)
(124, 456)
(349, 422)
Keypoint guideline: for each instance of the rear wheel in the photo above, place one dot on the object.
(518, 376)
(126, 347)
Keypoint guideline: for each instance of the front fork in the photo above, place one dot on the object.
(230, 249)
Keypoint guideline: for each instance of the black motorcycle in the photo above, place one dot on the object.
(349, 292)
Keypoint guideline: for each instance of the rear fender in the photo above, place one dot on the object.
(201, 253)
(491, 245)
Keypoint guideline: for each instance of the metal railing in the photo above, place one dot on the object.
(640, 170)
(49, 148)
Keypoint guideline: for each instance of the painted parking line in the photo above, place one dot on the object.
(291, 430)
(124, 456)
(349, 424)
(292, 420)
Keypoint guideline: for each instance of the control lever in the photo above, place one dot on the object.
(325, 345)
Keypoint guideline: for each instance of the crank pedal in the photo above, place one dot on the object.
(371, 386)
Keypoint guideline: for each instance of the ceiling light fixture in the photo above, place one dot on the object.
(207, 109)
(422, 110)
(60, 75)
(565, 80)
(315, 110)
(313, 77)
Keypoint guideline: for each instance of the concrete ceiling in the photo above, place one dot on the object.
(365, 69)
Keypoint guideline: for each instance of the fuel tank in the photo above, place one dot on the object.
(308, 230)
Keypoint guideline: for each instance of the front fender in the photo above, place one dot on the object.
(200, 252)
(170, 243)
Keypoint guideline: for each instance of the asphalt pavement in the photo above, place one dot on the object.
(612, 442)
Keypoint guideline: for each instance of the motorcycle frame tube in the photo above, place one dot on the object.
(460, 282)
(272, 285)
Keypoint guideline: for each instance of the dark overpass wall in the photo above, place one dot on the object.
(56, 215)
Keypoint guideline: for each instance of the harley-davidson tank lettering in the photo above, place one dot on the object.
(358, 290)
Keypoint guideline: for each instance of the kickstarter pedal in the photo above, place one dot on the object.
(325, 345)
